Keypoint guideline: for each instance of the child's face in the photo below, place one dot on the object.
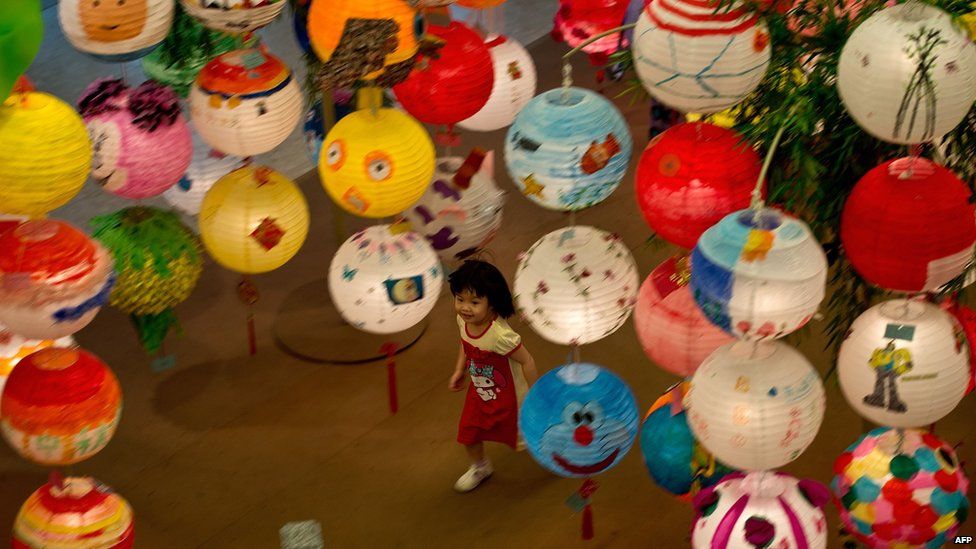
(472, 308)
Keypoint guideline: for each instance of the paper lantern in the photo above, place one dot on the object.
(691, 176)
(245, 102)
(115, 31)
(671, 329)
(24, 30)
(752, 510)
(908, 225)
(758, 275)
(755, 405)
(53, 279)
(577, 21)
(13, 348)
(694, 57)
(514, 85)
(253, 220)
(234, 16)
(578, 420)
(479, 4)
(383, 281)
(904, 364)
(315, 122)
(458, 221)
(60, 406)
(675, 460)
(206, 167)
(966, 318)
(453, 84)
(576, 285)
(908, 74)
(299, 23)
(74, 513)
(376, 163)
(568, 149)
(45, 154)
(899, 488)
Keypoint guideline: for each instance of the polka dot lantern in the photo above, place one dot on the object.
(115, 31)
(568, 149)
(577, 21)
(234, 16)
(514, 85)
(206, 167)
(13, 348)
(74, 513)
(576, 285)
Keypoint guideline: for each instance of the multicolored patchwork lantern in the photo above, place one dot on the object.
(206, 167)
(694, 57)
(383, 281)
(904, 364)
(568, 149)
(762, 509)
(60, 406)
(898, 488)
(115, 31)
(756, 405)
(13, 348)
(908, 74)
(577, 21)
(758, 274)
(245, 102)
(576, 285)
(234, 16)
(53, 279)
(908, 225)
(513, 88)
(691, 176)
(74, 513)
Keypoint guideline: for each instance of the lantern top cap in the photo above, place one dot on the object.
(578, 373)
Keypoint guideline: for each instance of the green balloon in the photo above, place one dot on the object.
(21, 31)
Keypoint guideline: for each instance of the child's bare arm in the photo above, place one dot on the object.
(457, 378)
(522, 356)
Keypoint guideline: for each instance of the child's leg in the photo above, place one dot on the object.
(476, 452)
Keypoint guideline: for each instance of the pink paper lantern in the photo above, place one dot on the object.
(577, 21)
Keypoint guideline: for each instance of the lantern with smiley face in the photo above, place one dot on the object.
(234, 16)
(115, 30)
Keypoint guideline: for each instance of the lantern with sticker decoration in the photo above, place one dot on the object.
(578, 21)
(13, 348)
(115, 31)
(206, 167)
(234, 16)
(513, 88)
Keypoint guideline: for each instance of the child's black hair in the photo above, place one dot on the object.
(484, 280)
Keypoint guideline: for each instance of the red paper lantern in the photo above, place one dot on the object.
(908, 226)
(452, 85)
(577, 21)
(691, 176)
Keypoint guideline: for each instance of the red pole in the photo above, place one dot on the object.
(390, 349)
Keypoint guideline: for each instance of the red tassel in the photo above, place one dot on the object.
(390, 349)
(587, 523)
(252, 343)
(247, 292)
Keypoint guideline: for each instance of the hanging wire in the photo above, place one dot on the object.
(568, 68)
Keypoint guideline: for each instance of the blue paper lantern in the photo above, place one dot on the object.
(568, 149)
(300, 25)
(579, 420)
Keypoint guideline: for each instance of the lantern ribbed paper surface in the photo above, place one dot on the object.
(691, 176)
(899, 488)
(909, 231)
(234, 16)
(514, 85)
(383, 282)
(245, 102)
(671, 329)
(206, 167)
(74, 513)
(53, 279)
(885, 59)
(756, 405)
(13, 348)
(904, 364)
(577, 21)
(568, 149)
(115, 31)
(579, 420)
(253, 220)
(376, 164)
(758, 275)
(576, 285)
(45, 154)
(752, 510)
(60, 406)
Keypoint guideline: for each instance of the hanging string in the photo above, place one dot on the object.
(757, 200)
(568, 68)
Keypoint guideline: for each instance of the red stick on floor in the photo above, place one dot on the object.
(390, 350)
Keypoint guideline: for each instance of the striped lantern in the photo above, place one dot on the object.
(577, 21)
(206, 167)
(234, 16)
(756, 405)
(115, 31)
(74, 513)
(904, 364)
(693, 58)
(887, 56)
(245, 102)
(383, 281)
(253, 220)
(576, 285)
(568, 149)
(758, 274)
(513, 88)
(45, 154)
(13, 348)
(60, 406)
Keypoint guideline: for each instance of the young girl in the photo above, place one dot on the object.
(495, 359)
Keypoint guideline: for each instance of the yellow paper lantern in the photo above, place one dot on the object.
(376, 163)
(253, 220)
(45, 154)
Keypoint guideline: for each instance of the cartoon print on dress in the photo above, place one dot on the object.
(486, 383)
(100, 18)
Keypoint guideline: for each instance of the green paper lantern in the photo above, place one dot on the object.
(21, 31)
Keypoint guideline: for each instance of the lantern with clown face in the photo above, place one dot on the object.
(115, 30)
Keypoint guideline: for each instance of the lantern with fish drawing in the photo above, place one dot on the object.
(234, 16)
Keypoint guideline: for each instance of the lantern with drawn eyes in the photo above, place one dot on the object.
(115, 30)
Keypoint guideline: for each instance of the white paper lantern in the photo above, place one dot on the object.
(693, 59)
(879, 80)
(755, 405)
(206, 167)
(576, 285)
(234, 16)
(385, 282)
(904, 364)
(113, 30)
(515, 80)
